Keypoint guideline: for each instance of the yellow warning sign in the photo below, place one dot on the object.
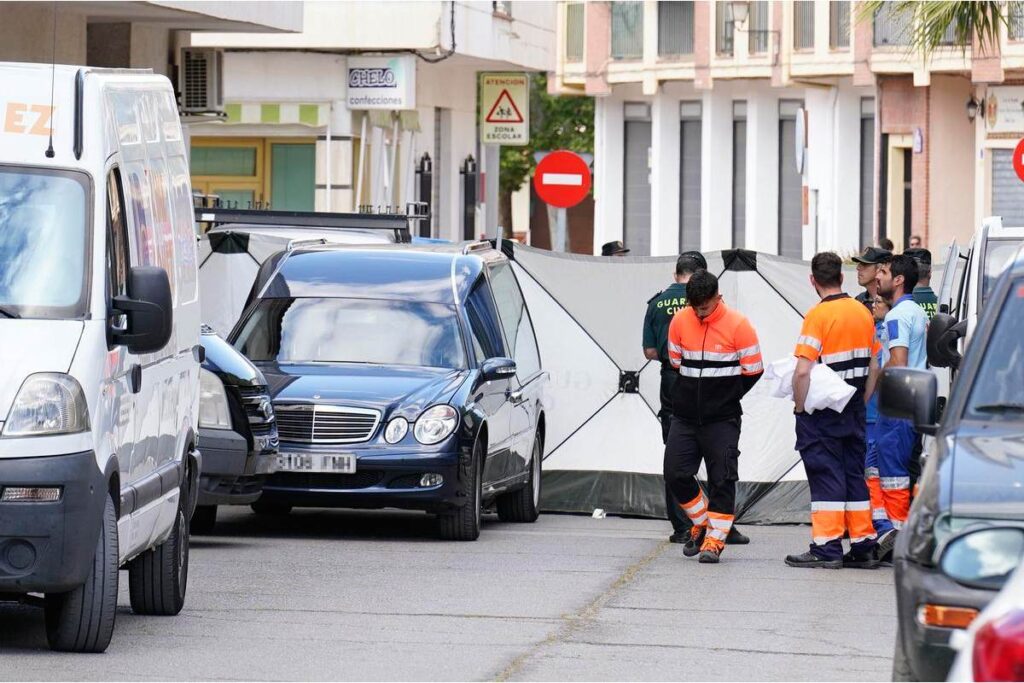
(505, 109)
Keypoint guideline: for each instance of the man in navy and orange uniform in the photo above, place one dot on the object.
(716, 352)
(840, 333)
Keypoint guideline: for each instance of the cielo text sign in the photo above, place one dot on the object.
(382, 82)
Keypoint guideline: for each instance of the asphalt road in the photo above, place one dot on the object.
(325, 594)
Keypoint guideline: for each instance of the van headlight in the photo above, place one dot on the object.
(47, 404)
(436, 424)
(213, 402)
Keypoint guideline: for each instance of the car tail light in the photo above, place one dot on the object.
(999, 649)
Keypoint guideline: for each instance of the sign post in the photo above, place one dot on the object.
(562, 180)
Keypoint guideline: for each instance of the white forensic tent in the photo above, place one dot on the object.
(603, 447)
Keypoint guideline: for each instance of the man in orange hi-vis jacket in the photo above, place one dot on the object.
(840, 333)
(718, 357)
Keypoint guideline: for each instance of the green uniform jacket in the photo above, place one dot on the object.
(926, 299)
(660, 309)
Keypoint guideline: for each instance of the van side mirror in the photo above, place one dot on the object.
(148, 309)
(944, 333)
(909, 394)
(498, 368)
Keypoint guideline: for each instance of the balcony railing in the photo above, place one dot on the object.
(803, 24)
(1015, 20)
(892, 27)
(574, 31)
(627, 29)
(675, 28)
(839, 25)
(757, 23)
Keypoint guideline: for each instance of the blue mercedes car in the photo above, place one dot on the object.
(403, 377)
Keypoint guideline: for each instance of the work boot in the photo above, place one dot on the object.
(736, 537)
(711, 551)
(812, 561)
(693, 545)
(868, 561)
(886, 542)
(682, 536)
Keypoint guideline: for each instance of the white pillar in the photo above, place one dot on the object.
(664, 174)
(846, 189)
(763, 171)
(716, 169)
(609, 150)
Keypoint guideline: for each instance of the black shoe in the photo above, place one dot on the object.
(710, 555)
(736, 537)
(851, 561)
(886, 542)
(812, 561)
(679, 536)
(692, 546)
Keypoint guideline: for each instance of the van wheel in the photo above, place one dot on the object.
(262, 507)
(157, 579)
(901, 670)
(463, 524)
(204, 519)
(82, 620)
(523, 505)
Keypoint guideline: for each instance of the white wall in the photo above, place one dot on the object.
(609, 150)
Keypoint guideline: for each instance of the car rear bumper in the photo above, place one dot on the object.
(380, 480)
(927, 647)
(49, 547)
(231, 474)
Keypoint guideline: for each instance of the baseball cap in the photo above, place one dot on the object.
(691, 261)
(873, 256)
(614, 247)
(919, 254)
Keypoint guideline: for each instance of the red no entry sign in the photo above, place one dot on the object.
(562, 179)
(1018, 159)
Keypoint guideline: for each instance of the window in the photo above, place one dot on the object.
(675, 28)
(522, 343)
(803, 24)
(724, 29)
(867, 171)
(575, 23)
(1015, 20)
(739, 175)
(757, 24)
(892, 26)
(484, 327)
(998, 391)
(627, 30)
(636, 186)
(257, 172)
(117, 237)
(839, 24)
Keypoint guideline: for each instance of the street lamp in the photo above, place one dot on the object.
(740, 10)
(973, 106)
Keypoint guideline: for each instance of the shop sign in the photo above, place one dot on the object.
(382, 82)
(1003, 111)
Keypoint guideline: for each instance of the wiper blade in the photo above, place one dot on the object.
(8, 312)
(1000, 408)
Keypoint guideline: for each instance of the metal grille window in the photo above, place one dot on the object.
(949, 38)
(627, 30)
(757, 25)
(574, 31)
(839, 24)
(675, 28)
(803, 24)
(724, 28)
(1015, 20)
(892, 27)
(867, 171)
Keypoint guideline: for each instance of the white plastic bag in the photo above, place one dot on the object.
(827, 390)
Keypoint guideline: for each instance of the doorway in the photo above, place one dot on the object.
(897, 208)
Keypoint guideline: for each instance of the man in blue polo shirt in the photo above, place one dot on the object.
(903, 345)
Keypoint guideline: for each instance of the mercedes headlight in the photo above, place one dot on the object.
(213, 402)
(48, 403)
(436, 424)
(396, 430)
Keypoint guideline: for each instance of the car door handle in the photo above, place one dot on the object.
(516, 397)
(135, 378)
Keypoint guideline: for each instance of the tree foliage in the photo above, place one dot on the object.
(930, 20)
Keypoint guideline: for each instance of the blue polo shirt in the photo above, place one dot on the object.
(906, 325)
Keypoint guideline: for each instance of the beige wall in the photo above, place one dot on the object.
(26, 33)
(951, 209)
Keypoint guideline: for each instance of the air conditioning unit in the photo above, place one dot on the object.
(200, 80)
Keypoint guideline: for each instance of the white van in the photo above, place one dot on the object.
(99, 347)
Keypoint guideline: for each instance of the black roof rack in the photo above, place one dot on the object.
(307, 219)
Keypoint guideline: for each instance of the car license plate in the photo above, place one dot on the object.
(341, 463)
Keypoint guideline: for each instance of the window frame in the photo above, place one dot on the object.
(490, 270)
(483, 286)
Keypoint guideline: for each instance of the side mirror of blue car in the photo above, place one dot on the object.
(498, 368)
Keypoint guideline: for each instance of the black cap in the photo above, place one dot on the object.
(919, 254)
(613, 248)
(873, 256)
(691, 261)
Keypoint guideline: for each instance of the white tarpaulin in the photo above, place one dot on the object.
(603, 446)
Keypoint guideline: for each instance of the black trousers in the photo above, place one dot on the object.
(680, 522)
(717, 444)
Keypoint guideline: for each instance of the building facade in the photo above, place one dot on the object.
(292, 138)
(789, 127)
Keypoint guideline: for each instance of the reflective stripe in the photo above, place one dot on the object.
(861, 539)
(879, 513)
(871, 473)
(856, 506)
(809, 341)
(895, 483)
(749, 351)
(897, 524)
(853, 373)
(827, 505)
(822, 540)
(720, 522)
(753, 367)
(846, 355)
(673, 347)
(709, 355)
(690, 355)
(700, 520)
(694, 509)
(718, 534)
(709, 372)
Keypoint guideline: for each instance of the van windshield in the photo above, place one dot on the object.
(43, 243)
(998, 392)
(336, 330)
(998, 254)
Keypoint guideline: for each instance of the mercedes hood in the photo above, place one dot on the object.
(31, 346)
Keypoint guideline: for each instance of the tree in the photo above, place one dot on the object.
(555, 123)
(933, 18)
